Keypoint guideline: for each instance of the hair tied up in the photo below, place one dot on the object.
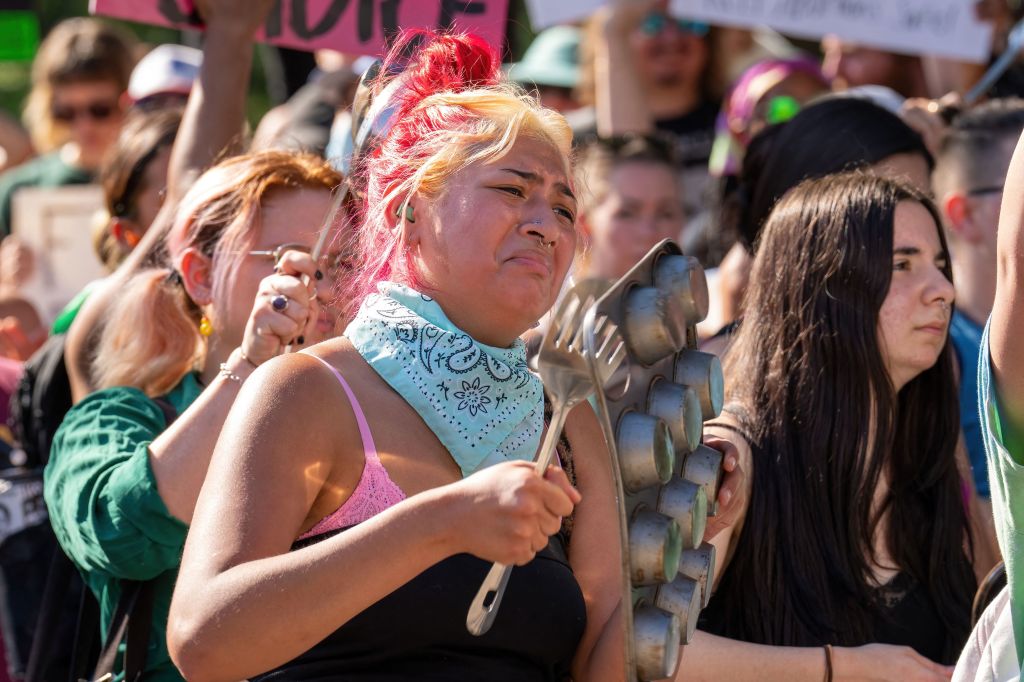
(433, 62)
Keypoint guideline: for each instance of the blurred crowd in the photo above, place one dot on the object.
(864, 267)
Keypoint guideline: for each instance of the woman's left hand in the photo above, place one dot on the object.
(730, 493)
(285, 310)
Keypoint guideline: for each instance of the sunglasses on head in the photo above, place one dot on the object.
(97, 111)
(656, 22)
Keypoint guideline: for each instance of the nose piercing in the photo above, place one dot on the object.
(944, 306)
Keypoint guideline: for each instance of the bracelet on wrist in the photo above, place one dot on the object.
(226, 372)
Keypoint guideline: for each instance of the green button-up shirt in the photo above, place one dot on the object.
(105, 508)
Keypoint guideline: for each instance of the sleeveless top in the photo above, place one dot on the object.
(418, 632)
(907, 615)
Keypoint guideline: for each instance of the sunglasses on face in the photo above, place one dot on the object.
(97, 111)
(656, 22)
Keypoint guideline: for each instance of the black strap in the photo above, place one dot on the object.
(132, 623)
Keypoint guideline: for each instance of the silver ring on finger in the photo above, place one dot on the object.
(279, 303)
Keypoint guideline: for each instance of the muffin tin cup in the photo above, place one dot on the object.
(655, 547)
(703, 373)
(699, 564)
(656, 638)
(646, 453)
(686, 502)
(679, 407)
(682, 597)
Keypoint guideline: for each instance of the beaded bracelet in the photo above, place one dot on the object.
(226, 372)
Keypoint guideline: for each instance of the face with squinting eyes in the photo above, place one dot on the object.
(494, 249)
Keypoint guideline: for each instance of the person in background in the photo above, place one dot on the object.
(551, 67)
(74, 109)
(629, 201)
(163, 78)
(122, 481)
(651, 73)
(969, 176)
(134, 181)
(830, 135)
(852, 559)
(769, 92)
(848, 65)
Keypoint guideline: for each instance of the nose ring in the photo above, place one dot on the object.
(944, 306)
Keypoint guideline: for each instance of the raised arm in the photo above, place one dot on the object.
(621, 102)
(1007, 329)
(214, 119)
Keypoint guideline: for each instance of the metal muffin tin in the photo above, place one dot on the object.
(652, 412)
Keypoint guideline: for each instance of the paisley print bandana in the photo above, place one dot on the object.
(482, 402)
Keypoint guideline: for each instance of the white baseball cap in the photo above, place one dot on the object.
(166, 69)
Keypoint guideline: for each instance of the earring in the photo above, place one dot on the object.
(205, 326)
(409, 217)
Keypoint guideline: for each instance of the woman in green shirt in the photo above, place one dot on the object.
(120, 485)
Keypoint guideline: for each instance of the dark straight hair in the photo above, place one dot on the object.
(827, 428)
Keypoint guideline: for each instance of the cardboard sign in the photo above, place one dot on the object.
(57, 223)
(944, 28)
(362, 27)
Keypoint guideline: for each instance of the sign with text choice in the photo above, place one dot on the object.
(355, 26)
(943, 28)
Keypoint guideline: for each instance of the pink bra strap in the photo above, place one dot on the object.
(369, 449)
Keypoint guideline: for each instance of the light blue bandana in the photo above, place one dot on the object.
(482, 402)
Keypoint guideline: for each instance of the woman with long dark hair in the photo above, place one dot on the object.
(842, 401)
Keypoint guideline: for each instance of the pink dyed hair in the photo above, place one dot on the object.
(453, 110)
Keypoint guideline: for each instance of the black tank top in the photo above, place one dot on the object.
(906, 614)
(418, 632)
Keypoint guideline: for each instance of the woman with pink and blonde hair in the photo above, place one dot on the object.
(360, 490)
(177, 346)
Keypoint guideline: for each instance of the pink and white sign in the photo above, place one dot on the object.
(355, 26)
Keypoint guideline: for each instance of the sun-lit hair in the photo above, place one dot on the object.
(77, 50)
(454, 111)
(151, 337)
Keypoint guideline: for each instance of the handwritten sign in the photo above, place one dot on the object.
(56, 223)
(355, 26)
(945, 28)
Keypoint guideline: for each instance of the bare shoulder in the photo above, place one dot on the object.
(299, 396)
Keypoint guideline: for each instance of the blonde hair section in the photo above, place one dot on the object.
(150, 339)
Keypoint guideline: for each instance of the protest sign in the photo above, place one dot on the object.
(56, 223)
(355, 26)
(944, 28)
